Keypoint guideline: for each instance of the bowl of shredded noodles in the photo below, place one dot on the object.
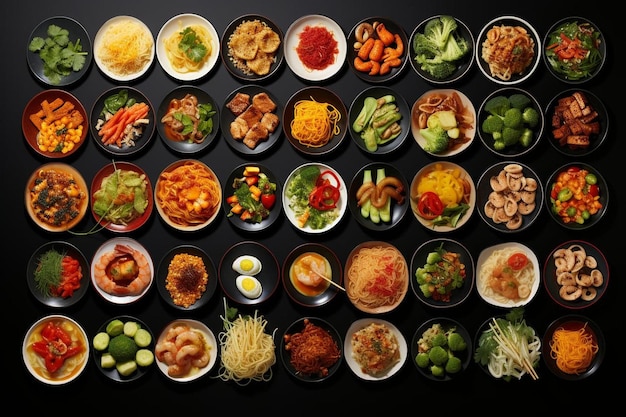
(376, 277)
(573, 347)
(193, 183)
(124, 48)
(187, 47)
(495, 45)
(247, 348)
(315, 121)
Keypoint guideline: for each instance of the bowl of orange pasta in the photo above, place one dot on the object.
(188, 195)
(573, 347)
(508, 50)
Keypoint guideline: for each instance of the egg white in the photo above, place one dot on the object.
(239, 261)
(252, 293)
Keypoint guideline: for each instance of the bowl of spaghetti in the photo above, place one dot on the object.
(311, 349)
(194, 183)
(573, 347)
(495, 45)
(124, 48)
(315, 120)
(507, 275)
(187, 47)
(376, 277)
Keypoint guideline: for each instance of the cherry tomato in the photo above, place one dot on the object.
(517, 261)
(429, 205)
(268, 200)
(594, 190)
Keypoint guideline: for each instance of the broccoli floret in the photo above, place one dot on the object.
(439, 339)
(519, 100)
(513, 118)
(122, 348)
(530, 116)
(439, 70)
(433, 257)
(526, 137)
(424, 48)
(492, 124)
(426, 289)
(439, 29)
(456, 342)
(510, 136)
(437, 370)
(497, 105)
(422, 360)
(438, 355)
(453, 365)
(499, 144)
(454, 49)
(436, 139)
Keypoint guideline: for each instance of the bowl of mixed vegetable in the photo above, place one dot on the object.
(442, 273)
(577, 196)
(574, 50)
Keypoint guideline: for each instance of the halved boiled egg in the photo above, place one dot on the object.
(249, 286)
(247, 265)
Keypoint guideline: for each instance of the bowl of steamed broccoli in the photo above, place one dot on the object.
(510, 122)
(441, 49)
(441, 349)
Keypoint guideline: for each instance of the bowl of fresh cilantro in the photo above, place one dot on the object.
(59, 51)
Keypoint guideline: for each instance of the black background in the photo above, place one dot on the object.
(407, 389)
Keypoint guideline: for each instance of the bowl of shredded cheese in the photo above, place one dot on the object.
(124, 48)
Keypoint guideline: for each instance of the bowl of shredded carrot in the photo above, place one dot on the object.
(573, 347)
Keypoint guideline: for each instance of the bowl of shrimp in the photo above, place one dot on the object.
(122, 270)
(185, 350)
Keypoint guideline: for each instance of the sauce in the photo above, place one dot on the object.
(306, 264)
(317, 48)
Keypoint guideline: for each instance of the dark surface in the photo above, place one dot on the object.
(282, 395)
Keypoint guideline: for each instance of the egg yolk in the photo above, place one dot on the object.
(246, 265)
(248, 284)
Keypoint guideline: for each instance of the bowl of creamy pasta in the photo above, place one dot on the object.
(494, 50)
(507, 275)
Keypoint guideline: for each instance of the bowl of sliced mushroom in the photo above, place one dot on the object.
(509, 196)
(576, 274)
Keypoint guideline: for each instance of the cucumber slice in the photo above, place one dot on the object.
(115, 327)
(130, 328)
(143, 338)
(107, 361)
(126, 368)
(144, 357)
(101, 341)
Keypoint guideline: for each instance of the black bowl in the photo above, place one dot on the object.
(187, 146)
(235, 219)
(227, 117)
(463, 65)
(321, 95)
(517, 149)
(567, 71)
(69, 250)
(162, 272)
(307, 296)
(497, 185)
(398, 208)
(589, 260)
(457, 295)
(574, 322)
(552, 195)
(140, 142)
(404, 122)
(584, 137)
(269, 277)
(447, 325)
(297, 327)
(395, 29)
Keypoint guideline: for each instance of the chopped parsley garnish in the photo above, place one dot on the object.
(59, 54)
